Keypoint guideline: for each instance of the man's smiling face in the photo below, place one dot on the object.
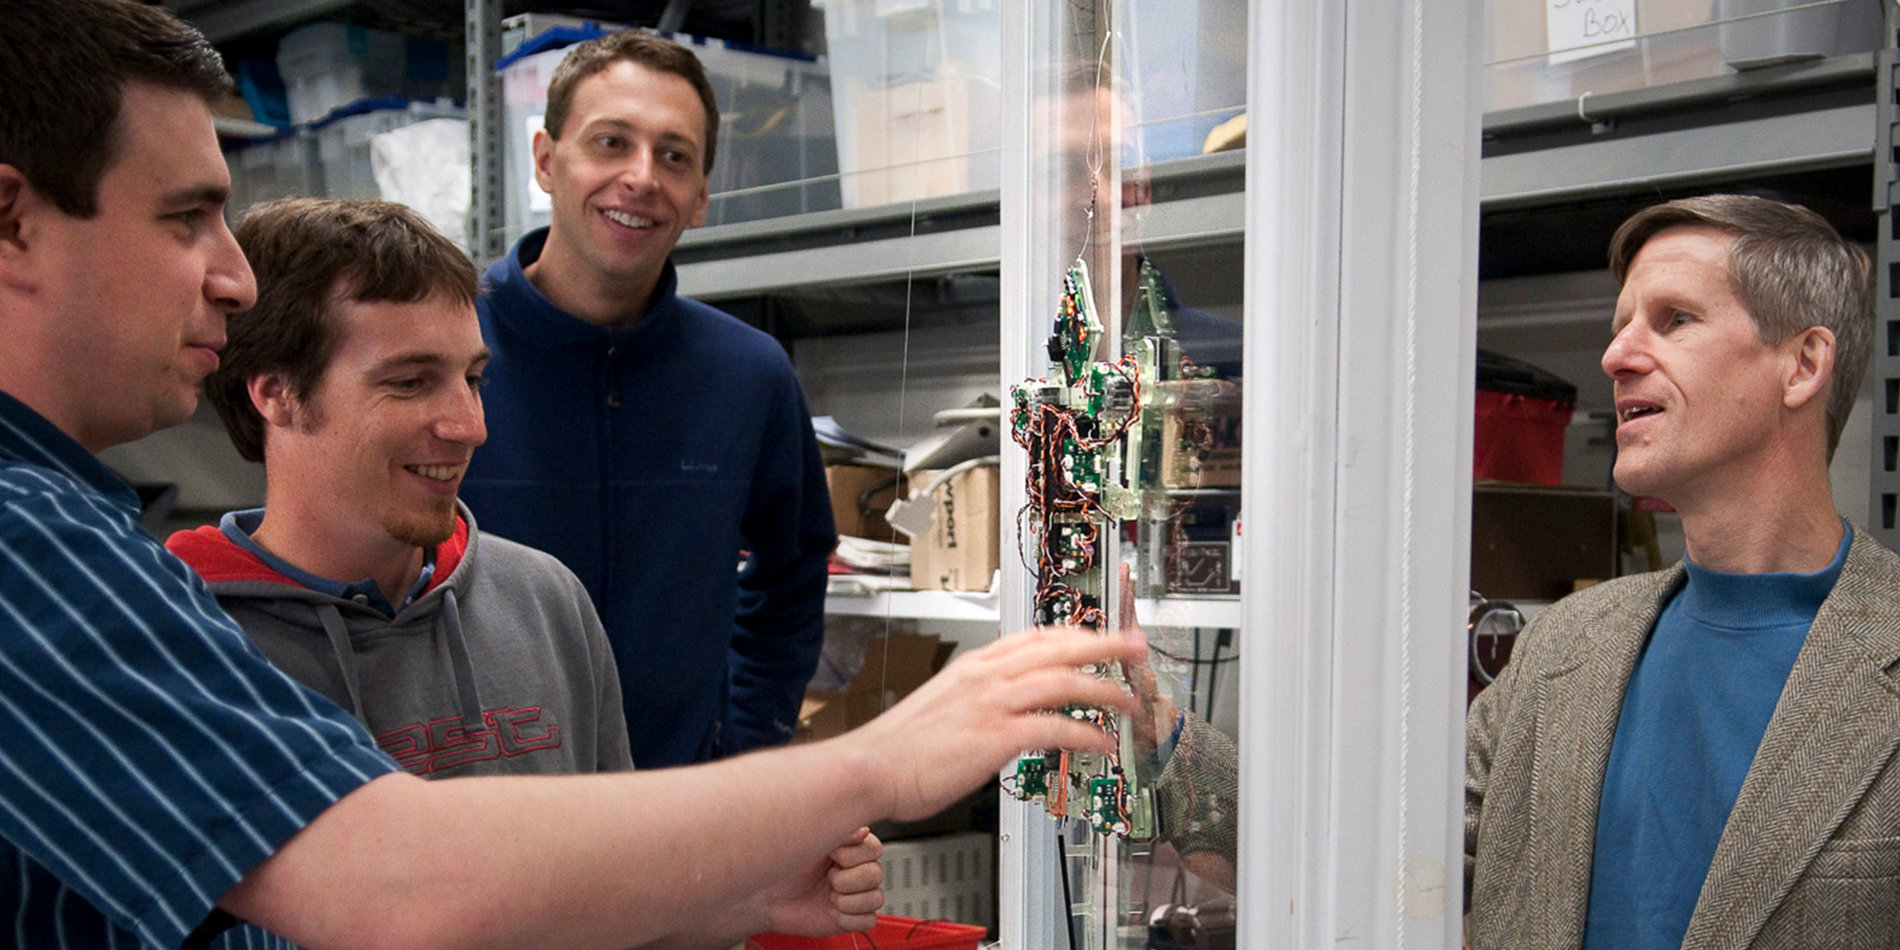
(626, 176)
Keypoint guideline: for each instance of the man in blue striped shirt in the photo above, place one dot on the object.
(158, 773)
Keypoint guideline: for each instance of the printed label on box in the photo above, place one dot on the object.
(961, 551)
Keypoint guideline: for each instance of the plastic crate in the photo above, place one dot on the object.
(1800, 31)
(1543, 52)
(916, 88)
(326, 66)
(890, 933)
(1520, 438)
(281, 167)
(946, 877)
(343, 144)
(1522, 413)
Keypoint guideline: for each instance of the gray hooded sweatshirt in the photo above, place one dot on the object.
(498, 667)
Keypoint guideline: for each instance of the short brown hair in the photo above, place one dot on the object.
(645, 48)
(1792, 271)
(310, 254)
(63, 70)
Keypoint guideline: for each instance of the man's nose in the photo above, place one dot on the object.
(229, 283)
(636, 173)
(1627, 352)
(464, 423)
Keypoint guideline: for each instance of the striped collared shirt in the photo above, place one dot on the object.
(151, 757)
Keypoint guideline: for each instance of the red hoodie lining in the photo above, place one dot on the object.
(218, 559)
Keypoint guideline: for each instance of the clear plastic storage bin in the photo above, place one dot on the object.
(1546, 52)
(326, 66)
(281, 167)
(343, 145)
(916, 87)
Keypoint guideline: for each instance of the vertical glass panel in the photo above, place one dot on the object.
(1132, 432)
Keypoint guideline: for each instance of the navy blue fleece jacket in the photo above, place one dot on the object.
(647, 458)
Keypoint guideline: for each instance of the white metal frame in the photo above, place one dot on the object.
(1029, 893)
(1361, 292)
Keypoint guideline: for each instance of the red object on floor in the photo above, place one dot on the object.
(890, 933)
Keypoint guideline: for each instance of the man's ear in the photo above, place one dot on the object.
(542, 147)
(17, 198)
(270, 395)
(699, 207)
(1810, 366)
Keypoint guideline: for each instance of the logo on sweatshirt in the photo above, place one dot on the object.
(439, 744)
(699, 468)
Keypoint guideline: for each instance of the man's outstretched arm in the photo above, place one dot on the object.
(624, 859)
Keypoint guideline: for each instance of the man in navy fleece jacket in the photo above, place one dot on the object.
(645, 439)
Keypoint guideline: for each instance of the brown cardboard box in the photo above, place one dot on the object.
(888, 675)
(913, 141)
(860, 494)
(1209, 410)
(1534, 542)
(960, 552)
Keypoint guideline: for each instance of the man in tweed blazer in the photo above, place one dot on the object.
(1700, 757)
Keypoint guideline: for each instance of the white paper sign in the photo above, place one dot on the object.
(1580, 29)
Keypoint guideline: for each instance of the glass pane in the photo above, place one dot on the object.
(1132, 435)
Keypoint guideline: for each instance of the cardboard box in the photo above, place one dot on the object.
(893, 667)
(860, 494)
(961, 550)
(1200, 433)
(912, 141)
(1535, 543)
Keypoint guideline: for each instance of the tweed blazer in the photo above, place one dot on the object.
(1810, 856)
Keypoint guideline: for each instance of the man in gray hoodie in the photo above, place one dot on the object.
(355, 380)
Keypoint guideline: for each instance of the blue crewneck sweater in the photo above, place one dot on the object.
(1697, 705)
(647, 458)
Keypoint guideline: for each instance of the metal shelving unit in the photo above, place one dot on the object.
(482, 40)
(1800, 117)
(1884, 482)
(1198, 201)
(1787, 120)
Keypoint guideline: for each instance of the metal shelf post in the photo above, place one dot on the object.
(482, 40)
(1884, 479)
